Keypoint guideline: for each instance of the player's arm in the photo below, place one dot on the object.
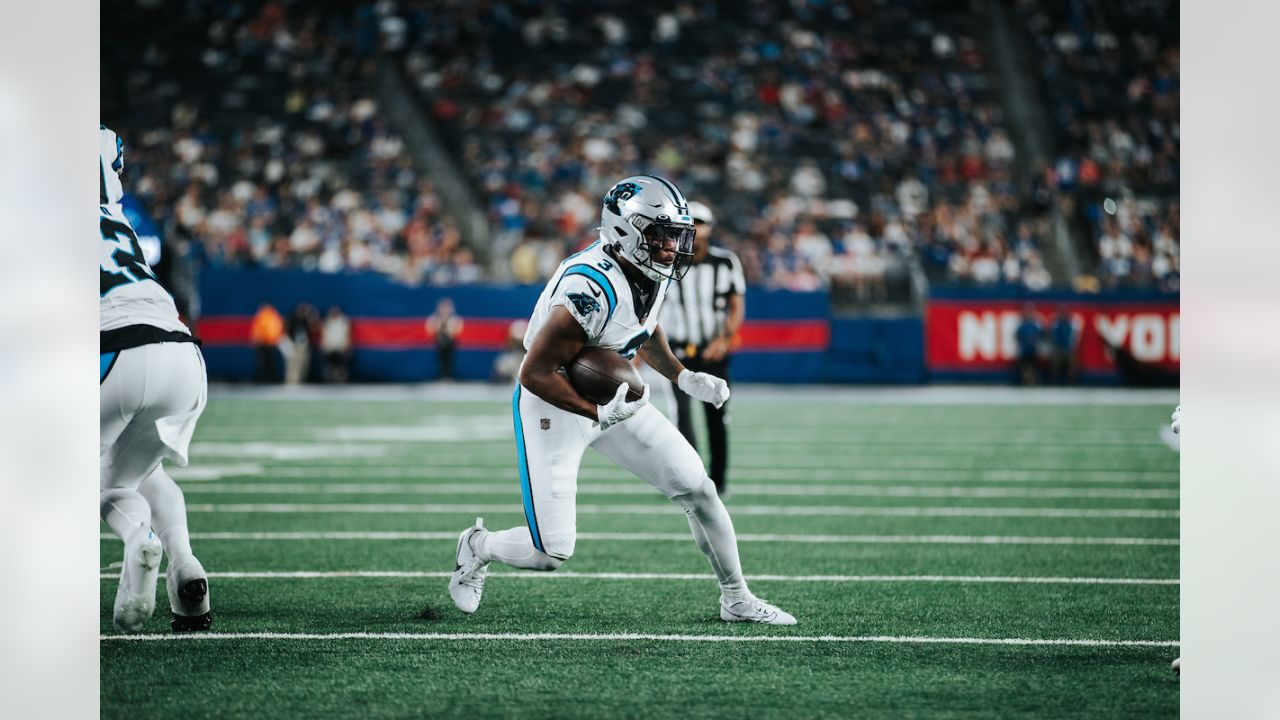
(719, 347)
(736, 315)
(657, 353)
(556, 343)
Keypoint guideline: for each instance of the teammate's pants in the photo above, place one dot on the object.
(151, 397)
(717, 419)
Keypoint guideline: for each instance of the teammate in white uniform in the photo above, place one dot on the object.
(153, 388)
(609, 296)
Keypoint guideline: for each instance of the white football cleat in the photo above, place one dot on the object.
(1176, 665)
(467, 583)
(755, 610)
(188, 586)
(136, 596)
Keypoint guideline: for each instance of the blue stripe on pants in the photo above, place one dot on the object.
(522, 462)
(105, 363)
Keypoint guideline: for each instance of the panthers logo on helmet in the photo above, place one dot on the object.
(584, 303)
(621, 192)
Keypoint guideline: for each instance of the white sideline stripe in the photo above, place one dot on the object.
(663, 509)
(685, 537)
(976, 579)
(195, 637)
(201, 488)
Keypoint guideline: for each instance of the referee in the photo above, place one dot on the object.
(701, 317)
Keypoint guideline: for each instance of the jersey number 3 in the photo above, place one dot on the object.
(122, 261)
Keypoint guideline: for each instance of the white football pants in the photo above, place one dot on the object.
(151, 397)
(549, 447)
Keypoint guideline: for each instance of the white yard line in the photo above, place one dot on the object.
(685, 537)
(642, 489)
(665, 509)
(428, 468)
(570, 575)
(626, 637)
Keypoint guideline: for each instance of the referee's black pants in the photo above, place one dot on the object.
(717, 419)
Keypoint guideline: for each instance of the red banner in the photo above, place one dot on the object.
(979, 335)
(490, 334)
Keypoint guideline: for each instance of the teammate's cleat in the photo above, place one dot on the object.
(188, 587)
(755, 610)
(136, 596)
(467, 583)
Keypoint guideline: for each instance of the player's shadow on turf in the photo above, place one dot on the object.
(429, 614)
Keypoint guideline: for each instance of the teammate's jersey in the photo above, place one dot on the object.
(592, 287)
(129, 292)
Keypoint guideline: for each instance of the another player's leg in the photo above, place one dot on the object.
(185, 578)
(549, 447)
(651, 447)
(149, 405)
(129, 517)
(120, 504)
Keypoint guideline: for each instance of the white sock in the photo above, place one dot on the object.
(168, 513)
(513, 547)
(713, 531)
(125, 511)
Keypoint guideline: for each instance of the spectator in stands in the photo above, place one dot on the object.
(1062, 348)
(335, 343)
(1028, 337)
(265, 332)
(444, 326)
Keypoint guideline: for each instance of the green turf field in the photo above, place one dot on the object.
(905, 537)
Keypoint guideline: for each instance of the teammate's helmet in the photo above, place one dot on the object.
(110, 165)
(640, 214)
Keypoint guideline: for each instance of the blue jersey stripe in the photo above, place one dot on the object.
(598, 278)
(522, 462)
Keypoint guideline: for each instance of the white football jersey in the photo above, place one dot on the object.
(129, 291)
(592, 287)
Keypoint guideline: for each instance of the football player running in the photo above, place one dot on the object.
(152, 391)
(608, 296)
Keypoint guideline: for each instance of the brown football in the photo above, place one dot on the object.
(596, 373)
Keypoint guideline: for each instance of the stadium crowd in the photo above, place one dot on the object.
(840, 143)
(255, 135)
(835, 140)
(1111, 74)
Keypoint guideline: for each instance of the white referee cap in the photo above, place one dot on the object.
(701, 213)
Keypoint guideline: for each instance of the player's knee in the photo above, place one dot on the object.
(556, 549)
(550, 562)
(700, 494)
(544, 562)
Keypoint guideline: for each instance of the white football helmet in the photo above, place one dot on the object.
(640, 214)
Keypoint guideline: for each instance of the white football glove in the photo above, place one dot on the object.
(618, 409)
(704, 387)
(1177, 419)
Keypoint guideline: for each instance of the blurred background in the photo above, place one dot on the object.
(918, 190)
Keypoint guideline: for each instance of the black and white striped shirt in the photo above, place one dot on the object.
(695, 308)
